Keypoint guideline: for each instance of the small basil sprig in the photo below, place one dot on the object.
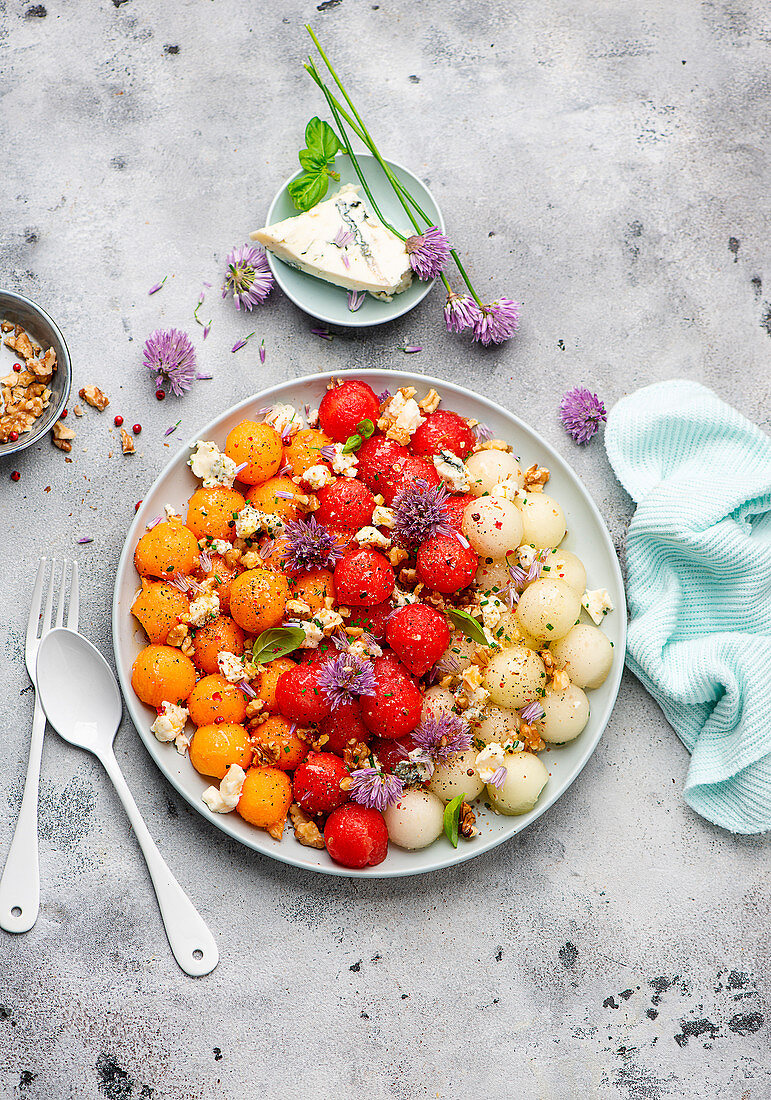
(452, 818)
(276, 642)
(321, 148)
(364, 430)
(468, 624)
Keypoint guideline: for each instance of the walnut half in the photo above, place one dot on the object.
(306, 831)
(62, 436)
(94, 397)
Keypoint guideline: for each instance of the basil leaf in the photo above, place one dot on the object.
(312, 161)
(276, 642)
(452, 818)
(321, 139)
(365, 428)
(352, 443)
(468, 624)
(308, 189)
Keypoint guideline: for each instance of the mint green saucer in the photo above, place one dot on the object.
(329, 303)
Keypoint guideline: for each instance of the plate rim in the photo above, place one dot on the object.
(278, 266)
(221, 821)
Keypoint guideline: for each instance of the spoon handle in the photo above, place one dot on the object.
(20, 884)
(191, 941)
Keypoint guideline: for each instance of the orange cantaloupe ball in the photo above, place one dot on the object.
(264, 498)
(313, 587)
(215, 747)
(212, 512)
(277, 737)
(221, 635)
(162, 674)
(223, 575)
(259, 446)
(258, 599)
(267, 678)
(214, 697)
(304, 450)
(158, 607)
(265, 796)
(167, 548)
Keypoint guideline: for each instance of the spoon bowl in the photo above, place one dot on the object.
(78, 690)
(82, 701)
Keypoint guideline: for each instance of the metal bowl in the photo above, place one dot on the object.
(43, 331)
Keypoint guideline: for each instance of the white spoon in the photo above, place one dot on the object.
(82, 702)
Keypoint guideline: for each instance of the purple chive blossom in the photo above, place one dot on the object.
(482, 432)
(533, 712)
(173, 428)
(168, 354)
(285, 469)
(498, 778)
(419, 513)
(518, 577)
(442, 737)
(581, 413)
(428, 251)
(206, 562)
(343, 237)
(328, 451)
(247, 689)
(410, 349)
(346, 677)
(355, 300)
(262, 352)
(182, 583)
(497, 322)
(460, 312)
(384, 396)
(248, 277)
(324, 333)
(311, 546)
(242, 343)
(157, 286)
(204, 377)
(376, 789)
(82, 542)
(206, 330)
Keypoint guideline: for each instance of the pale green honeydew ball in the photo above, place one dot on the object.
(496, 725)
(416, 820)
(526, 777)
(515, 677)
(493, 526)
(493, 574)
(586, 654)
(562, 565)
(487, 468)
(543, 521)
(437, 701)
(456, 777)
(547, 609)
(566, 715)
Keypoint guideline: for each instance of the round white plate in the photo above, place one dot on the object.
(330, 303)
(587, 536)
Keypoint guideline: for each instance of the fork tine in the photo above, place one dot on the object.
(37, 594)
(62, 594)
(73, 610)
(50, 599)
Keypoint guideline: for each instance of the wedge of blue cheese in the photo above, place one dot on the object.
(340, 241)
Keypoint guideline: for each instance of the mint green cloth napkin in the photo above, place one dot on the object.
(699, 587)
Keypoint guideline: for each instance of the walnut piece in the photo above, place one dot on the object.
(493, 445)
(430, 402)
(126, 442)
(77, 410)
(355, 754)
(306, 831)
(62, 436)
(94, 397)
(532, 738)
(535, 478)
(466, 820)
(277, 830)
(24, 393)
(177, 635)
(396, 555)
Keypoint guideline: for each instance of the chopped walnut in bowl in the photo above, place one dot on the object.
(35, 373)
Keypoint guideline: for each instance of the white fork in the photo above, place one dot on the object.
(20, 884)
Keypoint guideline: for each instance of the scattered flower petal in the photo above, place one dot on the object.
(82, 542)
(262, 352)
(204, 377)
(242, 343)
(154, 289)
(482, 432)
(498, 778)
(247, 689)
(533, 712)
(355, 300)
(410, 349)
(324, 333)
(173, 428)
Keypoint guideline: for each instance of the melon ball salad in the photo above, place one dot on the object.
(364, 623)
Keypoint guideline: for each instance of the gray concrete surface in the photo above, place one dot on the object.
(607, 165)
